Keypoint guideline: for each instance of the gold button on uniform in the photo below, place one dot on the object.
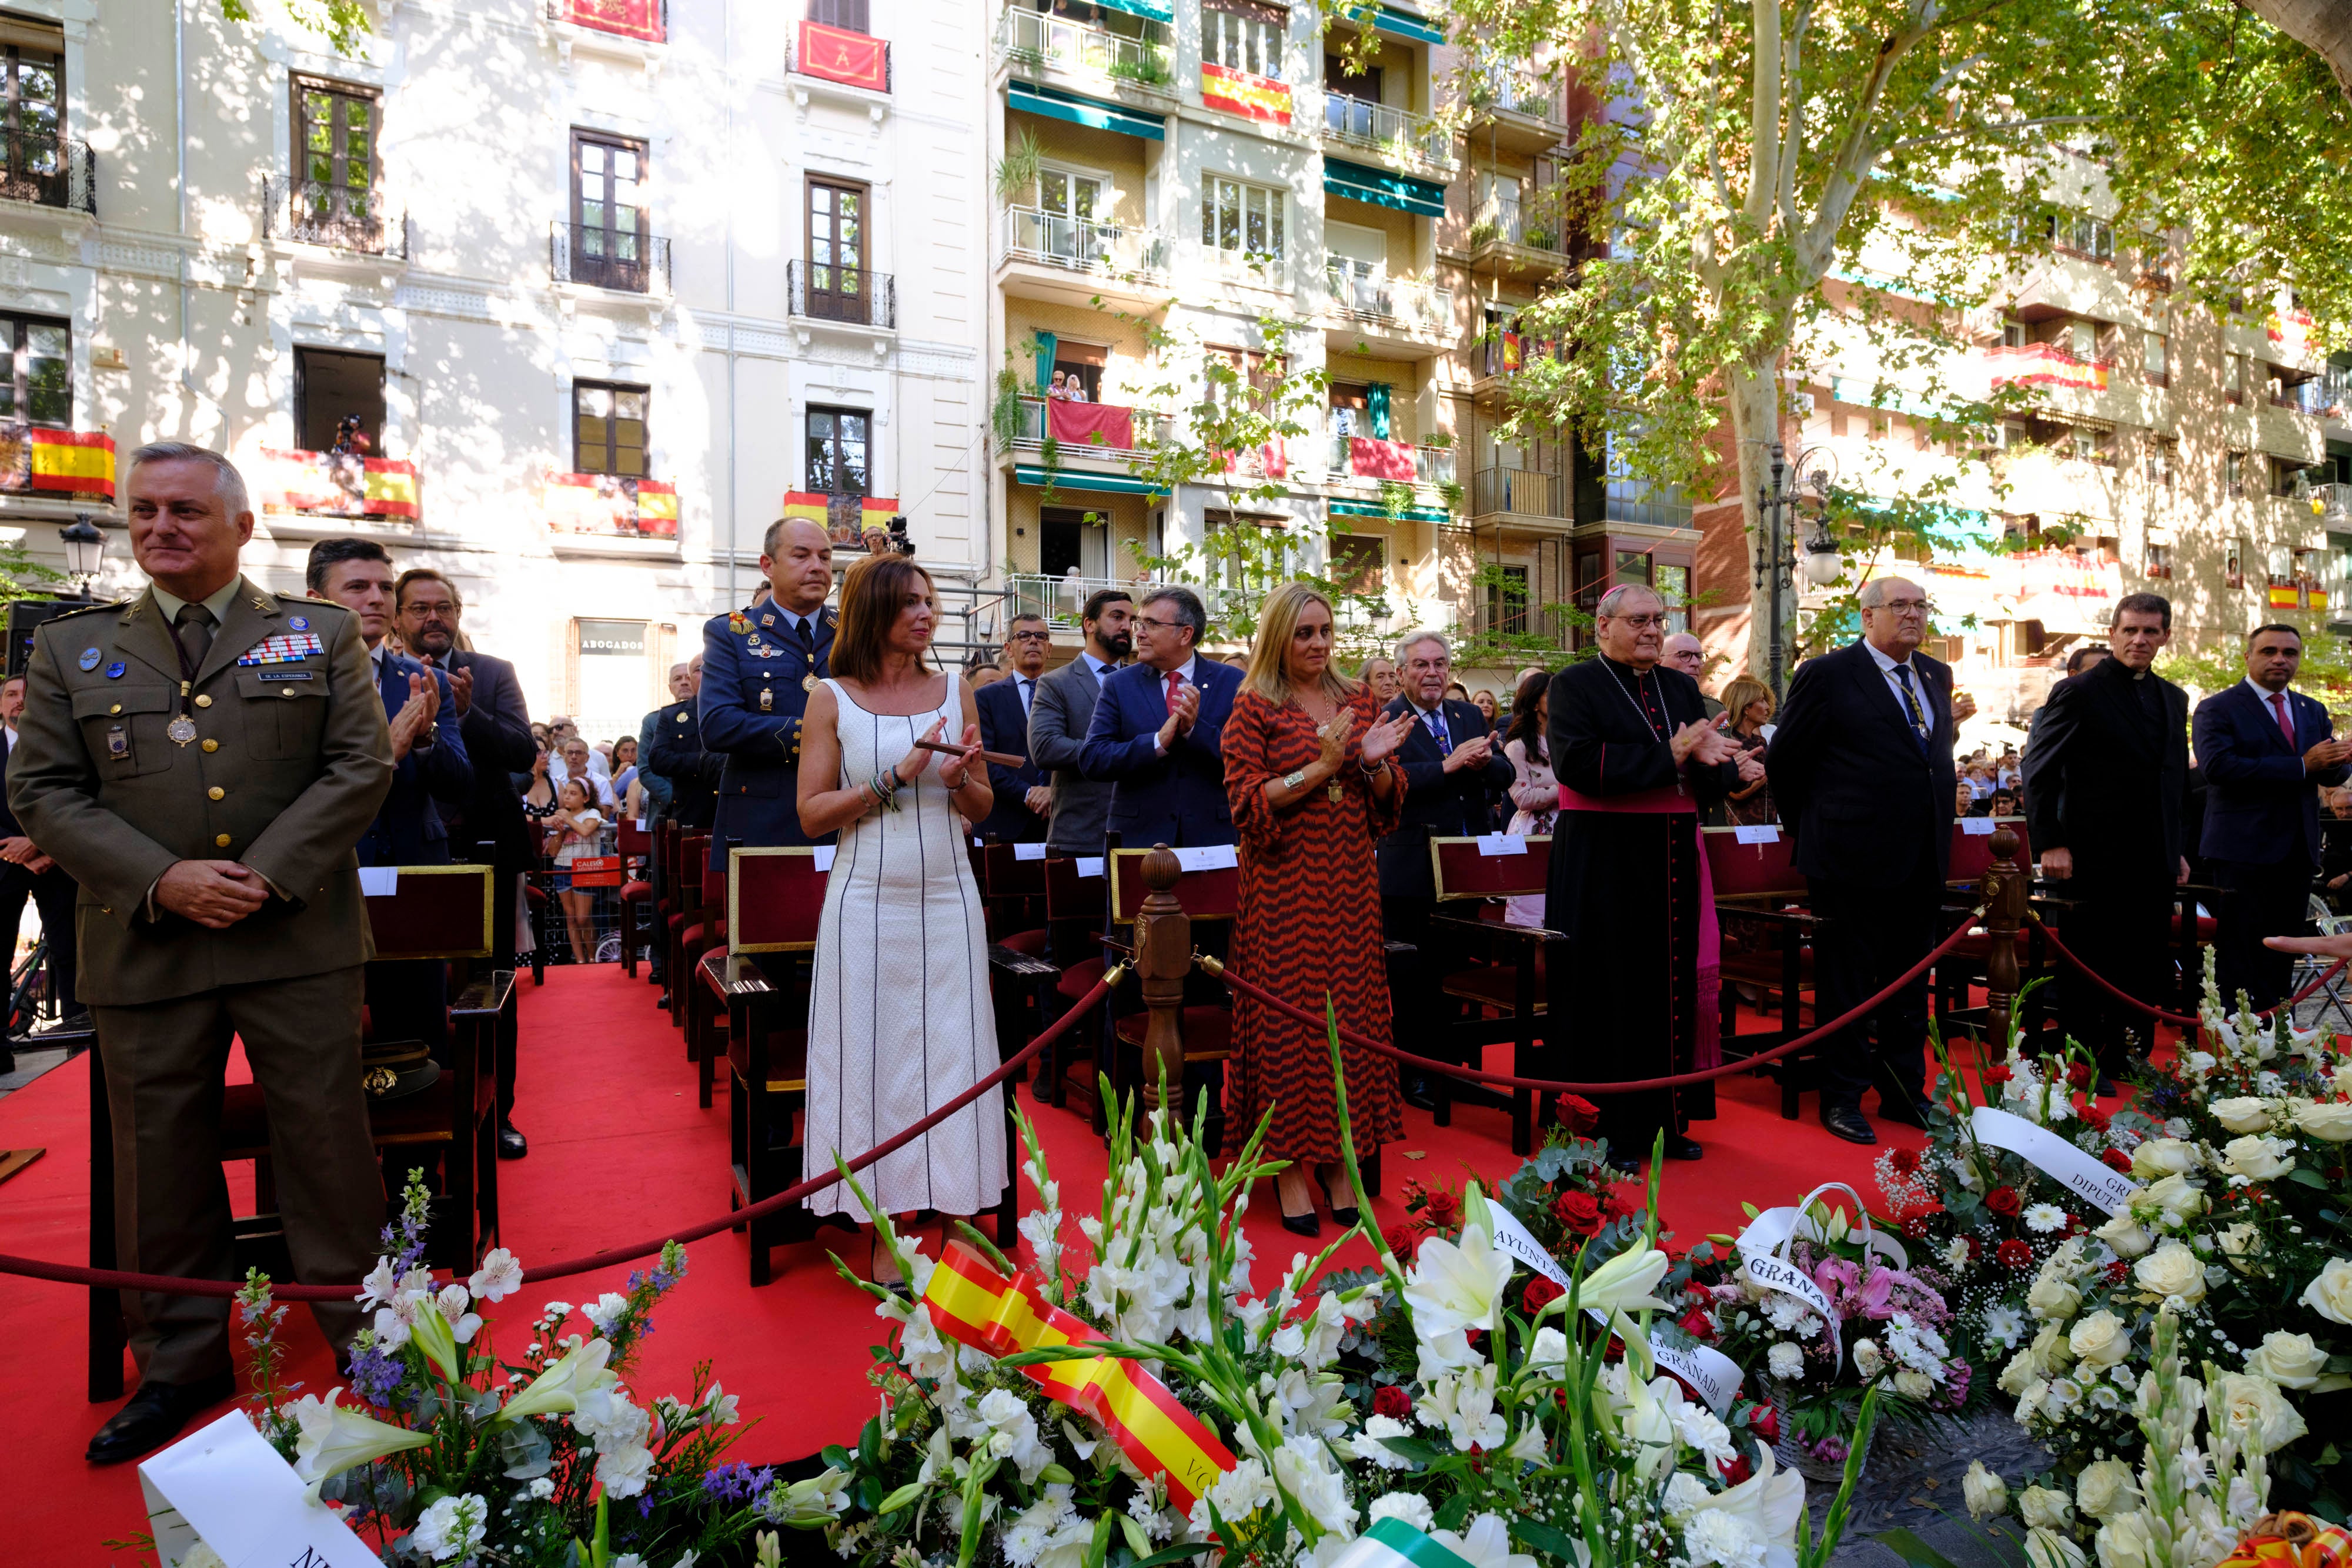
(220, 840)
(204, 702)
(216, 793)
(286, 693)
(116, 708)
(212, 746)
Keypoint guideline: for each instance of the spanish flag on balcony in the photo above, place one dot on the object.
(391, 489)
(657, 508)
(804, 506)
(1243, 93)
(79, 460)
(876, 512)
(2286, 596)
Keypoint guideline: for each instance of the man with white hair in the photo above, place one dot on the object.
(1685, 653)
(1861, 769)
(1635, 991)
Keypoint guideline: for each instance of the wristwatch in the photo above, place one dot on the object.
(1295, 779)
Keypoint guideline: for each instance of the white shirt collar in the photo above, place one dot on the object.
(375, 656)
(1188, 669)
(2263, 694)
(1100, 667)
(1886, 665)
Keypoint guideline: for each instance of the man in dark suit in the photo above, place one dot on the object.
(229, 751)
(759, 666)
(677, 755)
(1158, 728)
(659, 801)
(31, 874)
(1861, 766)
(1022, 793)
(1060, 718)
(496, 727)
(407, 1000)
(2106, 767)
(2267, 753)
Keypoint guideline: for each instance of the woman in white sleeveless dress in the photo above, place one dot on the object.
(899, 1021)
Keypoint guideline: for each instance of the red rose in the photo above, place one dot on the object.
(1902, 1161)
(1577, 1115)
(1698, 1324)
(1403, 1241)
(1579, 1211)
(2081, 1074)
(1392, 1402)
(2004, 1201)
(1765, 1422)
(1541, 1293)
(1735, 1472)
(2115, 1159)
(1444, 1207)
(1976, 1248)
(2014, 1254)
(1997, 1073)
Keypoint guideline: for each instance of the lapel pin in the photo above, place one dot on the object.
(89, 658)
(300, 623)
(114, 671)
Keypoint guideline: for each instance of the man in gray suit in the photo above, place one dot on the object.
(1064, 707)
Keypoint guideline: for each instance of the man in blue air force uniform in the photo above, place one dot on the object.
(759, 666)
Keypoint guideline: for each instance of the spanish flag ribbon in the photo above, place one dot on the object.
(973, 1304)
(2292, 1540)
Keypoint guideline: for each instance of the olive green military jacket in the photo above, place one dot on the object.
(289, 759)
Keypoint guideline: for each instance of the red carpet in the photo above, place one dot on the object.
(618, 1151)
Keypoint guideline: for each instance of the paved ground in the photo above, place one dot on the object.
(1914, 1483)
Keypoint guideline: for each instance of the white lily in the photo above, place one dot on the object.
(1453, 1288)
(335, 1438)
(1485, 1544)
(1770, 1503)
(557, 1389)
(1625, 1284)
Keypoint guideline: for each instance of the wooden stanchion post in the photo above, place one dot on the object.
(1163, 958)
(2006, 886)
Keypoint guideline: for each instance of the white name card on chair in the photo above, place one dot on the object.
(1492, 844)
(1208, 857)
(822, 857)
(226, 1486)
(1028, 852)
(1757, 833)
(1089, 865)
(1978, 826)
(379, 880)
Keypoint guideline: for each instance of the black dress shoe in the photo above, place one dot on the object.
(154, 1416)
(1682, 1148)
(1343, 1218)
(1417, 1094)
(2106, 1089)
(1847, 1121)
(662, 1002)
(512, 1145)
(1302, 1224)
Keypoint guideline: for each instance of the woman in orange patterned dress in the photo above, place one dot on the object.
(1310, 797)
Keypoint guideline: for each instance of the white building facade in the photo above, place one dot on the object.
(609, 285)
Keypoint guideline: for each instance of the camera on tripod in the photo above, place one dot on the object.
(898, 539)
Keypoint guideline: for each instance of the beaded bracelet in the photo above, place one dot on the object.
(885, 795)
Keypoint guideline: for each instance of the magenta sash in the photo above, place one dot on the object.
(1707, 1047)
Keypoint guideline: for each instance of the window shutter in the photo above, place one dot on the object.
(1376, 406)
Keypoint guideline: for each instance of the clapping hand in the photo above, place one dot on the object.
(461, 690)
(1381, 741)
(1466, 754)
(910, 767)
(1180, 716)
(1964, 707)
(1700, 742)
(1334, 737)
(1751, 767)
(426, 689)
(2327, 754)
(416, 716)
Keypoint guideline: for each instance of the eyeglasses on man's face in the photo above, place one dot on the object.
(1641, 622)
(1154, 622)
(1908, 607)
(1031, 637)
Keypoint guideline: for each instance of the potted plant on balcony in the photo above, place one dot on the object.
(1148, 68)
(1486, 231)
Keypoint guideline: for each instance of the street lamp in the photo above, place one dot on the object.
(1779, 507)
(83, 543)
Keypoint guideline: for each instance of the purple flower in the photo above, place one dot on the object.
(1955, 1381)
(375, 1377)
(1830, 1450)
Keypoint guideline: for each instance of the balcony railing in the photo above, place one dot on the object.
(1385, 129)
(1511, 93)
(856, 295)
(1083, 245)
(1431, 465)
(338, 485)
(1509, 225)
(1520, 490)
(49, 171)
(1409, 301)
(341, 217)
(39, 459)
(646, 21)
(1146, 429)
(627, 260)
(1061, 599)
(2335, 502)
(2322, 397)
(1031, 38)
(608, 506)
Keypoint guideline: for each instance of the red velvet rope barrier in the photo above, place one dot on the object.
(1547, 1086)
(71, 1274)
(2183, 1019)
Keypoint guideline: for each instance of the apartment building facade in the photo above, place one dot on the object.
(1184, 181)
(607, 285)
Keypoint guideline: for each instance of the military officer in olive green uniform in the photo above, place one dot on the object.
(202, 759)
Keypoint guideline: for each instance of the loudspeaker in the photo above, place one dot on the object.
(23, 616)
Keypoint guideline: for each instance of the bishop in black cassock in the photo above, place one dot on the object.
(1628, 886)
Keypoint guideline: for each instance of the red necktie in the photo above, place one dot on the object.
(2286, 725)
(1175, 685)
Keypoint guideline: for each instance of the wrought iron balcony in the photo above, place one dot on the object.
(343, 217)
(628, 261)
(1386, 128)
(855, 295)
(49, 171)
(1031, 38)
(1081, 245)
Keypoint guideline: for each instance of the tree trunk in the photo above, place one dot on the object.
(1755, 400)
(2323, 26)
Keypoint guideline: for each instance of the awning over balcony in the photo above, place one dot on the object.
(1151, 10)
(1034, 99)
(1424, 198)
(1377, 513)
(1400, 24)
(1070, 479)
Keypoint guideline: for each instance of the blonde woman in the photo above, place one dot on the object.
(1746, 713)
(1311, 776)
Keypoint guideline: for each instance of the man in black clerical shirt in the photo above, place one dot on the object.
(2106, 767)
(1637, 760)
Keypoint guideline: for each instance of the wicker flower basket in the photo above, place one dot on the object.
(1792, 1451)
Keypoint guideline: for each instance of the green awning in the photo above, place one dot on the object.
(1149, 10)
(1032, 99)
(1397, 24)
(1374, 511)
(1425, 198)
(1070, 479)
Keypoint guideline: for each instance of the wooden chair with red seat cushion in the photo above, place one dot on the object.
(1210, 897)
(1495, 971)
(636, 895)
(706, 1022)
(688, 886)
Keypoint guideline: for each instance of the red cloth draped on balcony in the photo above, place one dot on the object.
(1369, 457)
(1077, 424)
(1273, 460)
(853, 59)
(631, 18)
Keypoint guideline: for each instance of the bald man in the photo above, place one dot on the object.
(758, 664)
(1685, 653)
